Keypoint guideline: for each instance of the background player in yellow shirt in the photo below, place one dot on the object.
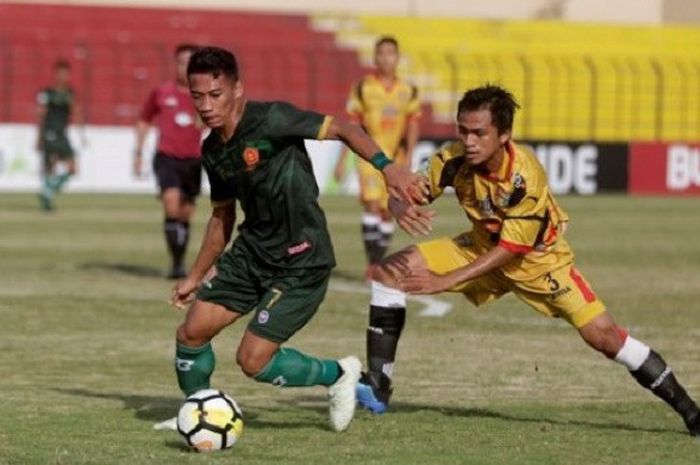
(516, 245)
(388, 108)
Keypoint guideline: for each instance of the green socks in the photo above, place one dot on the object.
(288, 367)
(55, 182)
(291, 368)
(194, 366)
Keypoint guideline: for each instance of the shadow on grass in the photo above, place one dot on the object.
(125, 268)
(179, 445)
(158, 408)
(401, 408)
(154, 409)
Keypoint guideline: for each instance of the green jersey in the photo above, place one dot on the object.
(265, 166)
(58, 103)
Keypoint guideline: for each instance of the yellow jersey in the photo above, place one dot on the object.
(384, 111)
(512, 208)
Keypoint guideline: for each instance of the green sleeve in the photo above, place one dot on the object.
(286, 120)
(221, 192)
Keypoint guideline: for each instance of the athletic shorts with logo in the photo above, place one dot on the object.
(282, 300)
(182, 173)
(560, 292)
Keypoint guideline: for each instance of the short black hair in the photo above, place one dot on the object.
(61, 63)
(186, 47)
(386, 40)
(494, 98)
(214, 61)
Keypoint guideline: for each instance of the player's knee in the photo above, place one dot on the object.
(392, 267)
(604, 338)
(250, 363)
(186, 335)
(372, 206)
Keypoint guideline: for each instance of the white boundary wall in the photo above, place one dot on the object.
(105, 163)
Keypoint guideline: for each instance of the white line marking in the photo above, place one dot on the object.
(432, 307)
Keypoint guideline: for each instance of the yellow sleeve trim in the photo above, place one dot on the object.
(221, 203)
(323, 131)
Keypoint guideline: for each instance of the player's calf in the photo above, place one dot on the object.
(194, 366)
(387, 317)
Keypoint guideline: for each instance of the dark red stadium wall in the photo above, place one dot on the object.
(118, 54)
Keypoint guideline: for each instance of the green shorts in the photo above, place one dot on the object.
(56, 148)
(282, 300)
(56, 144)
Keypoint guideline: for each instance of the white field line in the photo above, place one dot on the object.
(431, 306)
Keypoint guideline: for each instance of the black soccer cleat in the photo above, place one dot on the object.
(373, 392)
(693, 424)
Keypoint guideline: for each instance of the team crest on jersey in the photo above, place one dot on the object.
(506, 199)
(251, 157)
(502, 197)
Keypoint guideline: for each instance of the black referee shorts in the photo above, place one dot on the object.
(182, 173)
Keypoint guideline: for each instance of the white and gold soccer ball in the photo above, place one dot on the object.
(210, 420)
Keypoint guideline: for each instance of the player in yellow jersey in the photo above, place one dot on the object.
(516, 245)
(388, 108)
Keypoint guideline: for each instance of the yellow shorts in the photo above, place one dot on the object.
(562, 292)
(372, 186)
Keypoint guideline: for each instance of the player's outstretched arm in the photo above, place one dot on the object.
(216, 236)
(400, 181)
(427, 282)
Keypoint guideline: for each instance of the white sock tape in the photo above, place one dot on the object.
(371, 219)
(632, 354)
(383, 296)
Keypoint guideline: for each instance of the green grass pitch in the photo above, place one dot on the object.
(86, 348)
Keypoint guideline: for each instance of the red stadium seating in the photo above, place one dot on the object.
(118, 54)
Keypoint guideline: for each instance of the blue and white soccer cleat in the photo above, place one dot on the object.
(368, 400)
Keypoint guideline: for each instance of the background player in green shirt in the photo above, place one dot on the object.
(55, 106)
(279, 265)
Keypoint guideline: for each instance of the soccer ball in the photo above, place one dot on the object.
(210, 420)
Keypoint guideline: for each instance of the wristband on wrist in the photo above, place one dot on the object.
(379, 160)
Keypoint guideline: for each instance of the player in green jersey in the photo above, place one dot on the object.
(55, 106)
(279, 265)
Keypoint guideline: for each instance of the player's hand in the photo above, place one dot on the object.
(404, 184)
(415, 220)
(183, 293)
(425, 282)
